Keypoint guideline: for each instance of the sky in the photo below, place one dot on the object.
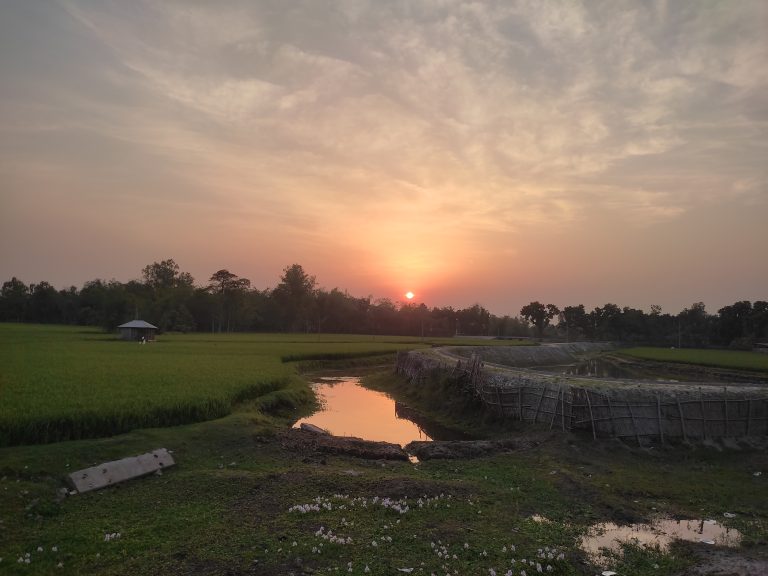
(471, 152)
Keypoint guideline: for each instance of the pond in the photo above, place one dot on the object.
(350, 409)
(602, 368)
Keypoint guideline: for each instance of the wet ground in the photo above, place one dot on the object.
(661, 532)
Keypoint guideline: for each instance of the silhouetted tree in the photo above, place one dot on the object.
(170, 289)
(539, 315)
(13, 300)
(295, 296)
(573, 320)
(230, 291)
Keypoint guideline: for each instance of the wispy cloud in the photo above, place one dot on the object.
(395, 120)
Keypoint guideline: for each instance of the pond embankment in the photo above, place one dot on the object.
(503, 380)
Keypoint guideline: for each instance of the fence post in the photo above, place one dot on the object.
(554, 411)
(498, 400)
(634, 424)
(725, 404)
(658, 413)
(749, 416)
(682, 419)
(562, 408)
(538, 406)
(703, 415)
(591, 416)
(520, 402)
(610, 410)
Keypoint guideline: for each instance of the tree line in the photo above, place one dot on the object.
(170, 299)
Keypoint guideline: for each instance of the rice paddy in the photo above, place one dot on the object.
(63, 383)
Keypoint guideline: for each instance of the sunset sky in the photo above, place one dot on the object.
(491, 152)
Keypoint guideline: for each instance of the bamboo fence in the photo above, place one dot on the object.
(675, 413)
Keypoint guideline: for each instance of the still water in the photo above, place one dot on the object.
(661, 532)
(600, 368)
(349, 409)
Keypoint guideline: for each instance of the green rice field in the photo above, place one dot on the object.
(61, 383)
(736, 359)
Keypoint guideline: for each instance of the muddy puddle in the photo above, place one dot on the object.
(350, 409)
(661, 533)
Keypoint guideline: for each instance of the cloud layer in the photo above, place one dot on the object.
(469, 150)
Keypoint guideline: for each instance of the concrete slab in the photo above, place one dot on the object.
(312, 428)
(117, 471)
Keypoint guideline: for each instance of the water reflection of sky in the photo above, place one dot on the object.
(349, 409)
(661, 532)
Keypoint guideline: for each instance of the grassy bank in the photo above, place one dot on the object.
(716, 358)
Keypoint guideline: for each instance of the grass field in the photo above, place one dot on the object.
(59, 383)
(228, 507)
(717, 358)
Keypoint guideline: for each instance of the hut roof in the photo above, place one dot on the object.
(137, 324)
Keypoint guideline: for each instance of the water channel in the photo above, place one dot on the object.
(602, 368)
(350, 409)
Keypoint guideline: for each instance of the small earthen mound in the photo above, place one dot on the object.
(461, 449)
(304, 441)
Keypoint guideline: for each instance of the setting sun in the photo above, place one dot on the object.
(409, 295)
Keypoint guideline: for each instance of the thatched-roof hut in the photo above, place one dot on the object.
(137, 330)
